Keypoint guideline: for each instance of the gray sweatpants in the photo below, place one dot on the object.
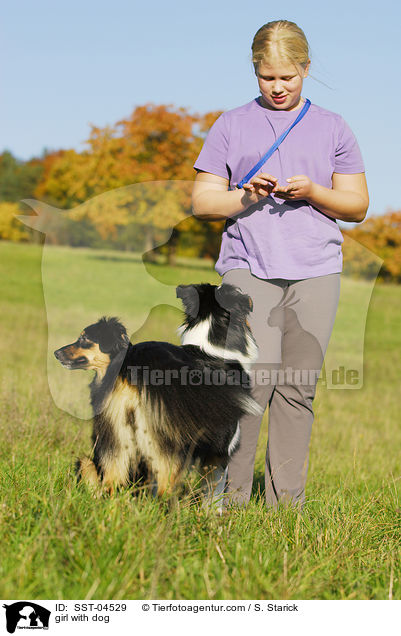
(291, 321)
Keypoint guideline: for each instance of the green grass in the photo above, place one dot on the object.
(60, 542)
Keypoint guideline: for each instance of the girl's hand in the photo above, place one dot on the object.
(260, 186)
(299, 187)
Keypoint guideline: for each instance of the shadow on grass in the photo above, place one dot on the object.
(207, 266)
(160, 263)
(117, 259)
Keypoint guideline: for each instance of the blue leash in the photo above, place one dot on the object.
(274, 147)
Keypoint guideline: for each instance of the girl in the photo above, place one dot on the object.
(282, 246)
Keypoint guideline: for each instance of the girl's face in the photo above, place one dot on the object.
(280, 84)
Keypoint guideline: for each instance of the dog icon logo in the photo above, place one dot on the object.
(26, 615)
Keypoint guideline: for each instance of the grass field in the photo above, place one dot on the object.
(58, 542)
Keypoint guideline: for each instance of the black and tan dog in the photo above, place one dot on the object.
(159, 407)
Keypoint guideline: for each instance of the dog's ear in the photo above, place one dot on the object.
(125, 338)
(120, 345)
(114, 337)
(233, 299)
(190, 299)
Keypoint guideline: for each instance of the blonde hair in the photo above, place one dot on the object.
(282, 40)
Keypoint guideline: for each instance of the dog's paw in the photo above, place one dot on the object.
(86, 473)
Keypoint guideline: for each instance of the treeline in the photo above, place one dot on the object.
(158, 145)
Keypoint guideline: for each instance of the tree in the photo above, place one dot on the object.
(382, 236)
(10, 228)
(18, 179)
(155, 144)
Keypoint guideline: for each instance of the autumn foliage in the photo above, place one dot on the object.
(155, 144)
(10, 228)
(377, 236)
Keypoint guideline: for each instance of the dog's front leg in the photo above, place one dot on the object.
(115, 472)
(168, 474)
(87, 473)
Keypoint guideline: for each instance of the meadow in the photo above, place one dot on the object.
(59, 542)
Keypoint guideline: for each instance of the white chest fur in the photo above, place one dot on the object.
(199, 336)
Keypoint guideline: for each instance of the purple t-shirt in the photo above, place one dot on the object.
(277, 238)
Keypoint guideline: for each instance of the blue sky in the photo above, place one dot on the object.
(66, 65)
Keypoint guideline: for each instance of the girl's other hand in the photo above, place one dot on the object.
(299, 187)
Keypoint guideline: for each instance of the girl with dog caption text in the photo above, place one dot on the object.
(281, 245)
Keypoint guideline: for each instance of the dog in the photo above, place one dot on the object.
(158, 407)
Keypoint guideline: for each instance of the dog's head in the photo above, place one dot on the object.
(204, 300)
(216, 316)
(96, 346)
